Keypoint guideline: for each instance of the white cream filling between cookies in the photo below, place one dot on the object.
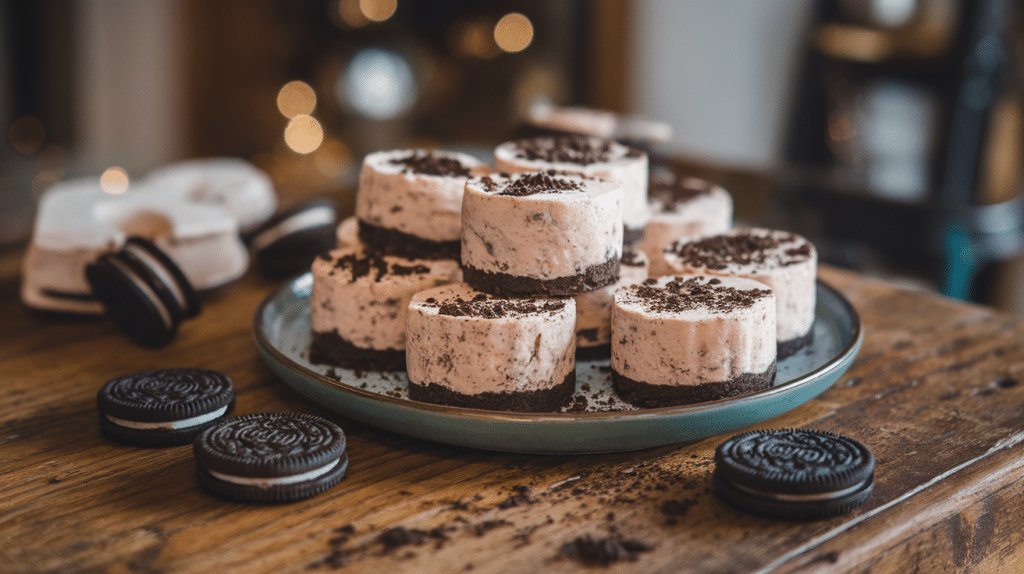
(815, 497)
(323, 215)
(161, 272)
(170, 425)
(277, 480)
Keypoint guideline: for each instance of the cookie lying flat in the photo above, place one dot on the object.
(163, 407)
(143, 290)
(794, 474)
(270, 457)
(287, 243)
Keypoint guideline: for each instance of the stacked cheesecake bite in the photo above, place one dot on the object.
(506, 338)
(404, 239)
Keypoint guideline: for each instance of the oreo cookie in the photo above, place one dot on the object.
(287, 243)
(163, 407)
(143, 291)
(270, 457)
(794, 474)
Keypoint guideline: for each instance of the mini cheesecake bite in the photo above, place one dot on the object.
(541, 233)
(784, 261)
(591, 157)
(358, 305)
(690, 339)
(469, 349)
(409, 202)
(683, 207)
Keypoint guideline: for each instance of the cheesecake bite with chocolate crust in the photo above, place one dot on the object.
(690, 338)
(541, 233)
(786, 262)
(409, 202)
(469, 349)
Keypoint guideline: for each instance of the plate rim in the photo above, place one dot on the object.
(838, 361)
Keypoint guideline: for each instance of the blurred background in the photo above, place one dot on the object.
(890, 132)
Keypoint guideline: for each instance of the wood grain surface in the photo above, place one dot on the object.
(936, 393)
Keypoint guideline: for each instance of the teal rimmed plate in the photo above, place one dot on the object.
(282, 332)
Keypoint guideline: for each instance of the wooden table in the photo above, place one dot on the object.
(935, 392)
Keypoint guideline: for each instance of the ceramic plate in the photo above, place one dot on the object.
(599, 421)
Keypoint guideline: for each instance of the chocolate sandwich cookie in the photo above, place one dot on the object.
(287, 243)
(794, 474)
(144, 291)
(163, 407)
(270, 457)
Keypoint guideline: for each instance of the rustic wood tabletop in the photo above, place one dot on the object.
(935, 392)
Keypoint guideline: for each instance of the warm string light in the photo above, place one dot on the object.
(514, 32)
(296, 98)
(114, 180)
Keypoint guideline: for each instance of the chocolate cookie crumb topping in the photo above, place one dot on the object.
(671, 192)
(366, 264)
(492, 307)
(632, 259)
(580, 150)
(720, 251)
(430, 163)
(687, 294)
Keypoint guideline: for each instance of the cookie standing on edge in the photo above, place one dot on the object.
(144, 291)
(270, 457)
(163, 407)
(794, 474)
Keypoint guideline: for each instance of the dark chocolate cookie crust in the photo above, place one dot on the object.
(790, 347)
(632, 235)
(650, 396)
(547, 400)
(497, 283)
(329, 348)
(594, 353)
(394, 242)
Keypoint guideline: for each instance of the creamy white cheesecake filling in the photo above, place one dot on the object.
(699, 344)
(170, 425)
(277, 480)
(543, 235)
(420, 204)
(347, 233)
(524, 351)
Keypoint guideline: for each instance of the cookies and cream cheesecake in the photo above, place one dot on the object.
(409, 202)
(594, 308)
(682, 207)
(784, 261)
(589, 156)
(466, 348)
(358, 305)
(692, 338)
(541, 233)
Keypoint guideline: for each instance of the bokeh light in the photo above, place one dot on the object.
(27, 135)
(114, 180)
(351, 14)
(303, 134)
(333, 159)
(52, 159)
(378, 10)
(296, 98)
(514, 32)
(378, 84)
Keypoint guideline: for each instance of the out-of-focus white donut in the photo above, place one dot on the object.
(235, 185)
(77, 222)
